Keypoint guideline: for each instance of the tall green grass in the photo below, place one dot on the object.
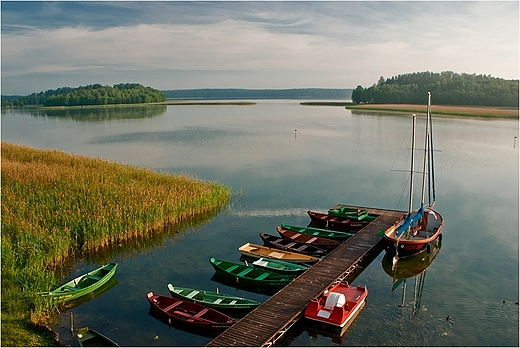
(57, 207)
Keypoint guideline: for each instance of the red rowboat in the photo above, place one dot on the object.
(320, 242)
(338, 305)
(189, 313)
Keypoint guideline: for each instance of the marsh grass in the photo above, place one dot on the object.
(454, 110)
(57, 207)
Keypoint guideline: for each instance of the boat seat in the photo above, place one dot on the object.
(311, 240)
(71, 288)
(201, 313)
(172, 306)
(232, 268)
(94, 277)
(233, 302)
(276, 255)
(244, 272)
(191, 294)
(262, 276)
(218, 300)
(260, 262)
(334, 299)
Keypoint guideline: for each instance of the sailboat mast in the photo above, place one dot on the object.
(432, 166)
(426, 152)
(412, 164)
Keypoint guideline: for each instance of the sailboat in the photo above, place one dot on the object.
(417, 230)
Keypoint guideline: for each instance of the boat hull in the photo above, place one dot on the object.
(189, 313)
(420, 240)
(251, 276)
(291, 245)
(255, 251)
(319, 232)
(336, 222)
(212, 299)
(347, 212)
(91, 338)
(320, 242)
(83, 284)
(281, 267)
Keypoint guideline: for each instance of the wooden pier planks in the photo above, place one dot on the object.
(267, 323)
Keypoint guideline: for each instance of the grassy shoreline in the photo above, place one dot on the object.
(190, 102)
(451, 110)
(57, 207)
(168, 102)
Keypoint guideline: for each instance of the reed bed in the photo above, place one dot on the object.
(57, 206)
(453, 110)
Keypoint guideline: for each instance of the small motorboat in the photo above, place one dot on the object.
(338, 305)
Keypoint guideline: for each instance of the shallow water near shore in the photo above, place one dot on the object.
(282, 159)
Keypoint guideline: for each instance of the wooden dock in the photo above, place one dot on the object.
(267, 324)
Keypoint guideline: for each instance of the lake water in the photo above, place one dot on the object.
(282, 159)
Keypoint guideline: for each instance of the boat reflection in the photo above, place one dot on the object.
(410, 266)
(336, 333)
(185, 328)
(91, 295)
(228, 282)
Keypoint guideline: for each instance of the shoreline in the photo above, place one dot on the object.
(447, 110)
(36, 245)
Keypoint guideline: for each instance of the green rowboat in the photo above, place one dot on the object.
(83, 284)
(90, 338)
(319, 232)
(278, 266)
(345, 211)
(249, 275)
(212, 299)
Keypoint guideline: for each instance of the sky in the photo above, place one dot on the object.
(258, 45)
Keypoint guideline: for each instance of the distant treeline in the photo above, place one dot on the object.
(448, 88)
(123, 93)
(237, 93)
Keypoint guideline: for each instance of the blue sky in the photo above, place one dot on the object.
(272, 44)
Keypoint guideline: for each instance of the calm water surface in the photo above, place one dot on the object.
(282, 159)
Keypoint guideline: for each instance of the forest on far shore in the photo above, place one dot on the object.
(447, 88)
(123, 93)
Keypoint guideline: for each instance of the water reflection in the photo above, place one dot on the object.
(145, 242)
(235, 284)
(336, 333)
(100, 113)
(185, 328)
(90, 296)
(413, 266)
(410, 266)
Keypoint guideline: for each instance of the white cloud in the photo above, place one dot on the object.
(341, 45)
